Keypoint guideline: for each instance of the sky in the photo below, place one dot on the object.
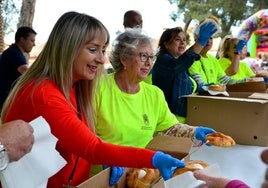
(155, 15)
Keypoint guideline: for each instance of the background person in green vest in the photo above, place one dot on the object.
(207, 70)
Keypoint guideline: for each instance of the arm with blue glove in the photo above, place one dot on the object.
(240, 45)
(201, 133)
(234, 55)
(206, 31)
(197, 134)
(166, 164)
(115, 174)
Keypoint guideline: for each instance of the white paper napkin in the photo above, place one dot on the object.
(187, 179)
(211, 92)
(34, 169)
(259, 96)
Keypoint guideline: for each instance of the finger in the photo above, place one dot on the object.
(266, 175)
(264, 156)
(265, 185)
(200, 176)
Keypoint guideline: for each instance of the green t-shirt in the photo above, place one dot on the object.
(244, 70)
(131, 119)
(208, 69)
(148, 79)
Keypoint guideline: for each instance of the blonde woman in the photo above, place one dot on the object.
(60, 86)
(229, 58)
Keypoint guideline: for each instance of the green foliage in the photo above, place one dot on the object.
(10, 14)
(229, 12)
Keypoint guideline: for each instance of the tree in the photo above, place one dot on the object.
(8, 12)
(27, 13)
(1, 31)
(10, 18)
(230, 13)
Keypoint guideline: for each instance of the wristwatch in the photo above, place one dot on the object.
(4, 160)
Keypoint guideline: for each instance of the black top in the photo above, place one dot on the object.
(10, 60)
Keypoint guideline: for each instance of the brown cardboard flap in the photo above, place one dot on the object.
(101, 180)
(175, 146)
(247, 87)
(244, 119)
(259, 96)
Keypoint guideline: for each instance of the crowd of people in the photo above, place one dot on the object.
(112, 114)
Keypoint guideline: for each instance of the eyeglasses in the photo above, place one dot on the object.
(145, 57)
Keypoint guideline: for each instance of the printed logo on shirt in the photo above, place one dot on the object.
(146, 122)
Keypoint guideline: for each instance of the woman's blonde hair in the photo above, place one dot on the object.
(71, 32)
(226, 44)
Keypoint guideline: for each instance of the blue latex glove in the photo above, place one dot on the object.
(201, 132)
(206, 31)
(115, 175)
(240, 45)
(166, 164)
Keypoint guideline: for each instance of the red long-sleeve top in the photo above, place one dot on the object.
(74, 136)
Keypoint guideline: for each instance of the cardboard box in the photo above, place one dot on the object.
(258, 86)
(101, 180)
(244, 119)
(177, 147)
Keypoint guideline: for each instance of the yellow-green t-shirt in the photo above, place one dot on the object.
(208, 68)
(244, 70)
(148, 79)
(131, 119)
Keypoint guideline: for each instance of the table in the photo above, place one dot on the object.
(241, 162)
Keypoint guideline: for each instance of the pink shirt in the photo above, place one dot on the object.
(236, 184)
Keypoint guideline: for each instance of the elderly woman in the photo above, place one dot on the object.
(129, 111)
(137, 110)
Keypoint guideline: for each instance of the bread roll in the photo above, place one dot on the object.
(220, 139)
(141, 178)
(217, 87)
(191, 166)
